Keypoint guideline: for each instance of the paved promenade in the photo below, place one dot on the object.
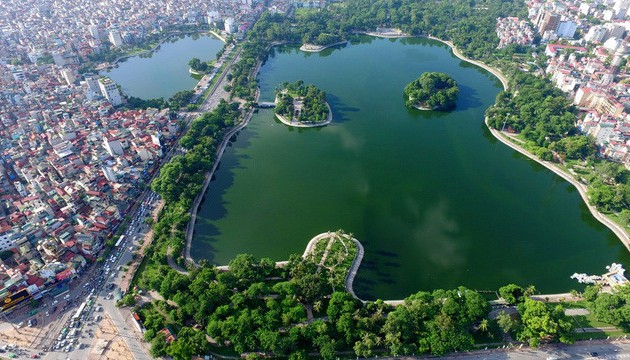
(211, 101)
(614, 227)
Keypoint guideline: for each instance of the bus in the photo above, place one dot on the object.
(77, 315)
(120, 240)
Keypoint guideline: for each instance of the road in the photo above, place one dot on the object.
(105, 281)
(587, 350)
(96, 285)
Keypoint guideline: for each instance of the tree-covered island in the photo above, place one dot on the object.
(303, 105)
(432, 91)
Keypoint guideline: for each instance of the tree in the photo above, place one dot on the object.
(432, 90)
(189, 343)
(483, 325)
(158, 346)
(505, 322)
(5, 254)
(512, 294)
(542, 325)
(613, 307)
(246, 270)
(198, 65)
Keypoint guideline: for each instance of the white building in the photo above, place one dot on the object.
(621, 8)
(596, 34)
(92, 83)
(110, 91)
(566, 29)
(155, 139)
(212, 17)
(109, 174)
(95, 31)
(613, 44)
(602, 132)
(615, 30)
(230, 25)
(18, 75)
(68, 76)
(115, 38)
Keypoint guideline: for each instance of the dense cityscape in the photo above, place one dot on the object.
(77, 162)
(585, 60)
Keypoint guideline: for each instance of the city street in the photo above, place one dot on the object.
(583, 350)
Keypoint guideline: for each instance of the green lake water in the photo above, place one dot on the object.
(435, 199)
(164, 72)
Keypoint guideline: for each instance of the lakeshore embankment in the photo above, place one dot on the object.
(155, 47)
(582, 189)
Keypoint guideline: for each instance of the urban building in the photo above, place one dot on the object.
(110, 91)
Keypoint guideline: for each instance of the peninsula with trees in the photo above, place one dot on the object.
(432, 91)
(199, 67)
(302, 105)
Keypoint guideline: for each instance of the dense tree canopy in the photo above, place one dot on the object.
(247, 311)
(199, 66)
(541, 324)
(306, 100)
(181, 178)
(432, 90)
(613, 308)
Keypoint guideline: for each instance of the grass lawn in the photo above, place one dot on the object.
(588, 321)
(599, 335)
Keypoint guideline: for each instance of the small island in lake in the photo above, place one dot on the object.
(432, 91)
(302, 105)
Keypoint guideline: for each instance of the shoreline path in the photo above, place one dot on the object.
(614, 227)
(300, 124)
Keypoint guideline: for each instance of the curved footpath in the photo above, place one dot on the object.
(299, 124)
(193, 211)
(318, 48)
(193, 215)
(614, 227)
(490, 69)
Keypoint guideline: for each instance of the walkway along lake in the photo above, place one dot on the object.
(435, 199)
(165, 71)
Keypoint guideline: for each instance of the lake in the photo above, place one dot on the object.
(164, 72)
(434, 198)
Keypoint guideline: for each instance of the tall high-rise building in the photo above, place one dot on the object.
(230, 25)
(597, 33)
(110, 91)
(94, 31)
(115, 38)
(68, 75)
